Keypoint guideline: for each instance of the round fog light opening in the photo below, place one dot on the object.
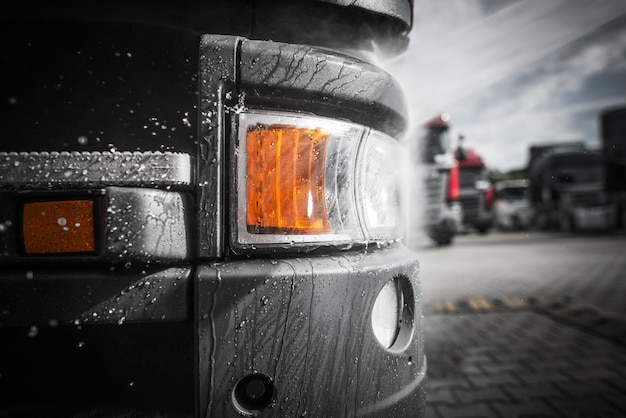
(392, 314)
(253, 394)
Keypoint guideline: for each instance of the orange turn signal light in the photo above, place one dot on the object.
(60, 226)
(285, 180)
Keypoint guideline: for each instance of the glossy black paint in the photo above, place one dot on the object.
(323, 82)
(306, 324)
(87, 336)
(98, 370)
(354, 24)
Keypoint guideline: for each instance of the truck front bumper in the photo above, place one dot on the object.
(182, 341)
(595, 217)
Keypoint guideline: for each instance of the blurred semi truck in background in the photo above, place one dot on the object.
(476, 192)
(511, 207)
(613, 135)
(567, 191)
(442, 212)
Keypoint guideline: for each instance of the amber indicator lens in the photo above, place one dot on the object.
(285, 180)
(55, 227)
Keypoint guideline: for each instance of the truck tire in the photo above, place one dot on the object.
(483, 229)
(443, 240)
(566, 222)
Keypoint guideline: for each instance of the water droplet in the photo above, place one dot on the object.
(33, 331)
(29, 275)
(62, 221)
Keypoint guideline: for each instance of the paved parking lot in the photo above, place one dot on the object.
(540, 346)
(521, 364)
(589, 268)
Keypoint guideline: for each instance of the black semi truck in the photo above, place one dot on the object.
(200, 211)
(613, 136)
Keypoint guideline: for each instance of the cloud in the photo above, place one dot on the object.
(513, 76)
(556, 100)
(504, 142)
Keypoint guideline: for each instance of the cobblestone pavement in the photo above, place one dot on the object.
(588, 268)
(521, 364)
(526, 326)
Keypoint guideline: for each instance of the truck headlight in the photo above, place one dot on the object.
(304, 180)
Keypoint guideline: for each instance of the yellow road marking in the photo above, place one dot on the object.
(479, 304)
(514, 302)
(446, 305)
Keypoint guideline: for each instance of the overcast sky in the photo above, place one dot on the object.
(515, 72)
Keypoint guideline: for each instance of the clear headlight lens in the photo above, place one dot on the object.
(378, 190)
(306, 180)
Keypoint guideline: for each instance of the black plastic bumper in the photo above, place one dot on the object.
(306, 325)
(177, 342)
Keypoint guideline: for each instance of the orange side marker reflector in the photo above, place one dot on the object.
(285, 180)
(55, 227)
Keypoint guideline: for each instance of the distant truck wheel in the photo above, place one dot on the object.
(542, 222)
(443, 240)
(482, 230)
(566, 222)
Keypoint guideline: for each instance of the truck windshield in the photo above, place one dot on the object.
(513, 193)
(93, 86)
(468, 176)
(435, 142)
(615, 125)
(578, 173)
